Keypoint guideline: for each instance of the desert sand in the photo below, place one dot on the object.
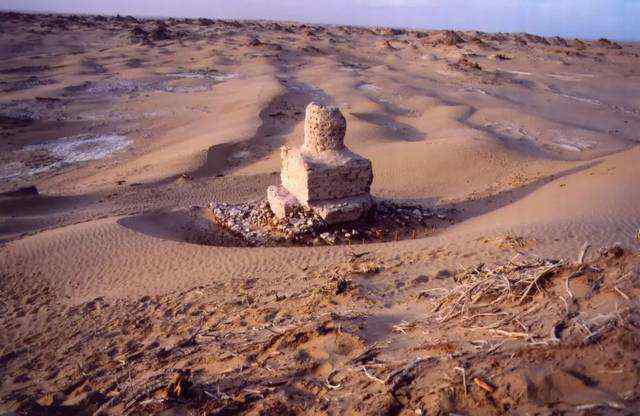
(523, 299)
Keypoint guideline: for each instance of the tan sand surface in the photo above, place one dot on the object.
(124, 126)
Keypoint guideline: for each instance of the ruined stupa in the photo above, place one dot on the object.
(323, 176)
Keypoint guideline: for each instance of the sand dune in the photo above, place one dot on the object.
(107, 287)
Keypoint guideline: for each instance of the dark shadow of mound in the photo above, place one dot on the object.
(184, 226)
(393, 129)
(278, 118)
(25, 205)
(198, 225)
(470, 209)
(26, 213)
(88, 407)
(389, 107)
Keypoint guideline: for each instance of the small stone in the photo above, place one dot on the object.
(421, 279)
(51, 399)
(328, 238)
(443, 274)
(22, 378)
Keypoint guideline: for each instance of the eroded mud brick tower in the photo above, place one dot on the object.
(323, 175)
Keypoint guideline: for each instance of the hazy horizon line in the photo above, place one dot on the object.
(533, 21)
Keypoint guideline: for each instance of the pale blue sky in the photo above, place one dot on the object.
(615, 19)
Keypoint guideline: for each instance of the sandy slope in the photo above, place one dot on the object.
(535, 152)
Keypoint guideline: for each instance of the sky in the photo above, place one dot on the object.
(614, 19)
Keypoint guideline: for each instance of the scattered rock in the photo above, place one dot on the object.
(614, 251)
(464, 64)
(254, 41)
(443, 274)
(604, 42)
(21, 378)
(502, 57)
(256, 225)
(138, 35)
(448, 38)
(161, 32)
(535, 39)
(558, 41)
(91, 67)
(421, 279)
(180, 385)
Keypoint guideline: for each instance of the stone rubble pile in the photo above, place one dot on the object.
(256, 225)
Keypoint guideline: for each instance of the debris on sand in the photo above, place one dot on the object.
(604, 42)
(464, 64)
(447, 38)
(256, 225)
(243, 347)
(479, 288)
(138, 35)
(161, 32)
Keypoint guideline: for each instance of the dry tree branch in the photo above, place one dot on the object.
(464, 379)
(480, 291)
(585, 248)
(371, 376)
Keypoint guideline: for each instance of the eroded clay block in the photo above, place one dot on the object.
(310, 178)
(281, 202)
(335, 211)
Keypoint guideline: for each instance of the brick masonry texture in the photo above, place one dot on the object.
(323, 175)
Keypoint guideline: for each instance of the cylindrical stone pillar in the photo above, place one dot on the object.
(324, 129)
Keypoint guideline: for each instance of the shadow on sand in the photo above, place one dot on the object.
(190, 226)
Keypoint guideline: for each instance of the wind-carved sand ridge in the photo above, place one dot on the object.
(495, 158)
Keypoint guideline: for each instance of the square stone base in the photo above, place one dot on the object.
(333, 211)
(331, 175)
